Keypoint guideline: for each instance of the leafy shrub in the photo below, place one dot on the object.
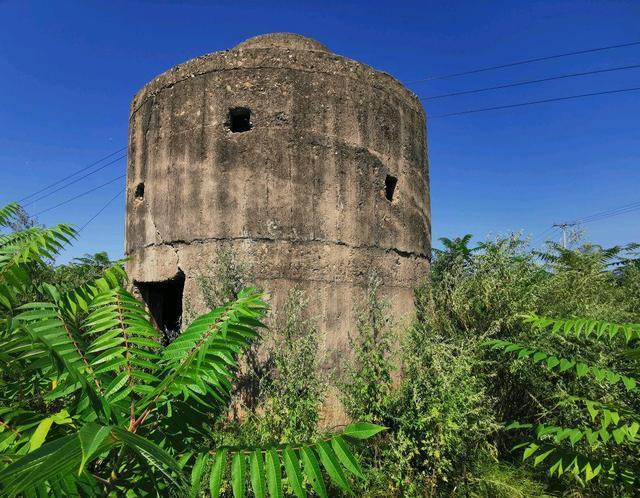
(438, 415)
(589, 282)
(480, 294)
(90, 403)
(220, 283)
(366, 393)
(279, 390)
(293, 394)
(445, 414)
(499, 480)
(609, 449)
(224, 280)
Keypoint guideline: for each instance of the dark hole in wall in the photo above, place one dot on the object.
(164, 300)
(139, 193)
(390, 183)
(239, 119)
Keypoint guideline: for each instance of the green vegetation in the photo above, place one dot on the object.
(450, 415)
(278, 389)
(517, 378)
(294, 391)
(91, 403)
(585, 450)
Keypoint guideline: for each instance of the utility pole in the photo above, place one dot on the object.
(563, 227)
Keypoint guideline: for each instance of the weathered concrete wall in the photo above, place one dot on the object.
(301, 196)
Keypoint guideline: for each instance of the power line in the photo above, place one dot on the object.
(80, 195)
(525, 61)
(611, 215)
(530, 82)
(600, 215)
(76, 180)
(534, 102)
(542, 235)
(610, 210)
(627, 208)
(101, 210)
(72, 174)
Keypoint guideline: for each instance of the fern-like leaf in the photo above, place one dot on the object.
(68, 455)
(79, 299)
(607, 433)
(560, 460)
(332, 454)
(199, 363)
(20, 252)
(554, 362)
(124, 343)
(584, 327)
(7, 212)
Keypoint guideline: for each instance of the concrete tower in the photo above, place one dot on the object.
(310, 166)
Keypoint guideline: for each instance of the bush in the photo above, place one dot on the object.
(444, 416)
(366, 393)
(293, 393)
(81, 368)
(453, 396)
(601, 442)
(438, 416)
(279, 391)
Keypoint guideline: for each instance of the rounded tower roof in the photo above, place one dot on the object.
(291, 41)
(285, 51)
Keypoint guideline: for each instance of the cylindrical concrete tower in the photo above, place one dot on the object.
(310, 166)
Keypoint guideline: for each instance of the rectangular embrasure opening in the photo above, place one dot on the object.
(139, 192)
(390, 183)
(240, 119)
(164, 300)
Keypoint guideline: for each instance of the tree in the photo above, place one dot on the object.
(456, 253)
(458, 246)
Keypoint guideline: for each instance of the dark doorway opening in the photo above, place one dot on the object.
(164, 300)
(390, 183)
(239, 119)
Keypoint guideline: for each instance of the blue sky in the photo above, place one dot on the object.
(69, 69)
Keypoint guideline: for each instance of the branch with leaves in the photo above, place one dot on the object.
(586, 452)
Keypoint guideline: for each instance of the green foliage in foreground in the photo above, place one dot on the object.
(69, 380)
(446, 413)
(591, 451)
(90, 403)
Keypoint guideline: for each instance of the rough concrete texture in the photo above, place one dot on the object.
(299, 190)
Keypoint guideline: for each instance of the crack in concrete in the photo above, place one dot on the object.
(160, 243)
(179, 242)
